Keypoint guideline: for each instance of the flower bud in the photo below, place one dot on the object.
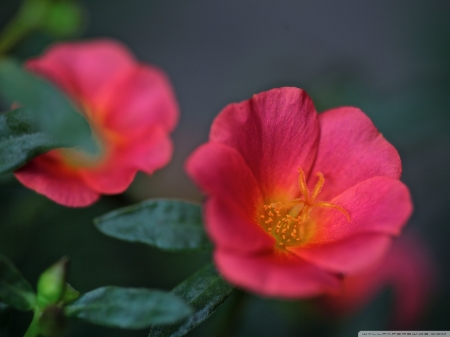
(52, 283)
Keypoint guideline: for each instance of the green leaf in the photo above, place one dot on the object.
(128, 308)
(70, 294)
(21, 140)
(167, 224)
(52, 112)
(14, 289)
(204, 291)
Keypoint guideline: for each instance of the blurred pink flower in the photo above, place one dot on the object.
(130, 107)
(407, 268)
(296, 199)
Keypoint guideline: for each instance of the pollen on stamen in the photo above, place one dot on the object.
(289, 223)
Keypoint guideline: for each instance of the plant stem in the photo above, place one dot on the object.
(33, 329)
(13, 33)
(28, 18)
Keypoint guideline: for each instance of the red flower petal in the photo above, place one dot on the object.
(83, 69)
(348, 255)
(230, 227)
(141, 97)
(220, 170)
(351, 150)
(408, 268)
(147, 153)
(376, 205)
(272, 275)
(56, 181)
(413, 274)
(276, 132)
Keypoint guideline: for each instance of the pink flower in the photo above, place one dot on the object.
(130, 107)
(407, 268)
(296, 199)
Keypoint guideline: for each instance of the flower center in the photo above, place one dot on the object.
(289, 223)
(76, 157)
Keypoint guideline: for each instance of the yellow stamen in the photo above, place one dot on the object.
(337, 207)
(292, 218)
(318, 188)
(302, 184)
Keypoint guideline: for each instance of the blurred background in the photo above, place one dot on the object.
(389, 58)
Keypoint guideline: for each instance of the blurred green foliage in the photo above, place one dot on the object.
(46, 110)
(14, 289)
(59, 18)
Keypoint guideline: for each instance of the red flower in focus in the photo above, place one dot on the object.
(130, 107)
(296, 199)
(408, 268)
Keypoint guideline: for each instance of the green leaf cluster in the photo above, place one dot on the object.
(56, 300)
(167, 224)
(172, 225)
